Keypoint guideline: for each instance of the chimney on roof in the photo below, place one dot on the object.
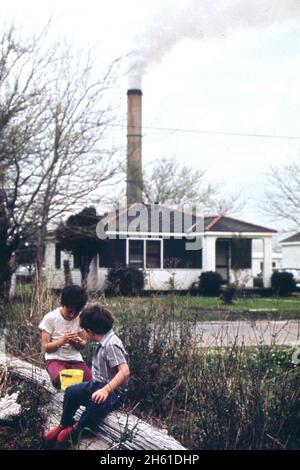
(134, 184)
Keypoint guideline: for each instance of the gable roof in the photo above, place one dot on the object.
(224, 223)
(155, 218)
(293, 238)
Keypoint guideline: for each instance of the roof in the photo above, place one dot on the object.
(155, 218)
(293, 238)
(223, 223)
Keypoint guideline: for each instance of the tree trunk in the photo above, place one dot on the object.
(67, 273)
(85, 270)
(40, 251)
(5, 250)
(5, 274)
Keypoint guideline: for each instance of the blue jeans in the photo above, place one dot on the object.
(80, 395)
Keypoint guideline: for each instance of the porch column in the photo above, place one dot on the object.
(209, 253)
(267, 266)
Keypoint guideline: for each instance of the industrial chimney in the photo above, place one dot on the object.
(134, 189)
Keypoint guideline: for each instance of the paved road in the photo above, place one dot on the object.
(226, 333)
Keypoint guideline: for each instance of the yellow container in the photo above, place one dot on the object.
(70, 377)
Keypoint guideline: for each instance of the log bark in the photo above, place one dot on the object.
(119, 430)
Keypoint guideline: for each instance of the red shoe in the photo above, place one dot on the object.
(53, 433)
(65, 433)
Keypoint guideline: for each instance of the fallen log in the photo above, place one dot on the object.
(119, 430)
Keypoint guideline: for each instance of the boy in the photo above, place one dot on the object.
(62, 336)
(106, 391)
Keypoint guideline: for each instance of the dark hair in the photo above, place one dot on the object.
(96, 318)
(73, 297)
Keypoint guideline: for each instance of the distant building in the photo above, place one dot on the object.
(291, 252)
(258, 262)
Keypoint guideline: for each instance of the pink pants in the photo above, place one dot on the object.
(54, 367)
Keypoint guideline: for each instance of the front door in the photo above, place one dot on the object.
(222, 259)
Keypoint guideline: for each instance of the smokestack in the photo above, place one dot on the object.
(134, 147)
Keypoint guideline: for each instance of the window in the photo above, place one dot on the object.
(176, 255)
(153, 254)
(112, 253)
(145, 253)
(136, 253)
(241, 253)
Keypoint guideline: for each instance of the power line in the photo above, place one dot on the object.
(198, 131)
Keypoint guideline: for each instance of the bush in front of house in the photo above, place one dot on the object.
(283, 283)
(125, 280)
(229, 294)
(210, 284)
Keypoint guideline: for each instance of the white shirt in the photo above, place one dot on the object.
(56, 325)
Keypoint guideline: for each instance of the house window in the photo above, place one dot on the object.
(144, 253)
(177, 256)
(153, 255)
(57, 256)
(136, 253)
(112, 253)
(241, 253)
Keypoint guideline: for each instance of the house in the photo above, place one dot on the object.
(172, 246)
(291, 252)
(258, 262)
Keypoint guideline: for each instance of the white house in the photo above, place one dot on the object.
(258, 261)
(172, 247)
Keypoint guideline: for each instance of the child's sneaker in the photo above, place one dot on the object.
(65, 433)
(53, 433)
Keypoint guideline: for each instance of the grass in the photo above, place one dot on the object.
(213, 308)
(189, 307)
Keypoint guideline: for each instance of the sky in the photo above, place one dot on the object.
(220, 79)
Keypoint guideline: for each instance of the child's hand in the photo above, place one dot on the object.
(68, 338)
(77, 341)
(101, 395)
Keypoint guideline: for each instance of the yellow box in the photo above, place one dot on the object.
(70, 377)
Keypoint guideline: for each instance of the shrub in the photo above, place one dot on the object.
(123, 280)
(210, 284)
(283, 284)
(229, 294)
(258, 282)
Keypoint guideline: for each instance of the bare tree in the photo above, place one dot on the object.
(282, 196)
(53, 154)
(22, 83)
(76, 158)
(171, 183)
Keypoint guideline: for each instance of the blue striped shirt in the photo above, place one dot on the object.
(109, 354)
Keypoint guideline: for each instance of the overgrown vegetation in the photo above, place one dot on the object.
(24, 432)
(211, 398)
(233, 397)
